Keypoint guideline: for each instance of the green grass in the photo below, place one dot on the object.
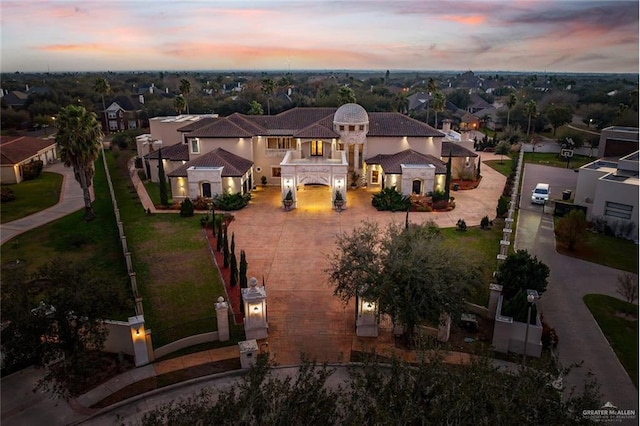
(174, 269)
(605, 250)
(481, 246)
(554, 160)
(32, 196)
(153, 189)
(75, 240)
(502, 167)
(618, 320)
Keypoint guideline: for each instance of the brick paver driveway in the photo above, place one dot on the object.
(289, 249)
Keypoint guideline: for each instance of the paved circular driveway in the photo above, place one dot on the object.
(288, 249)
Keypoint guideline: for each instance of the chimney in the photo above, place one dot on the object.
(141, 99)
(26, 86)
(166, 90)
(446, 125)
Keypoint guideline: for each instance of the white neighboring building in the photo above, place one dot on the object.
(609, 189)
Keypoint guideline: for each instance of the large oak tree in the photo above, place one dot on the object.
(410, 272)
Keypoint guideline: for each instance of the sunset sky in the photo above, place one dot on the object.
(478, 35)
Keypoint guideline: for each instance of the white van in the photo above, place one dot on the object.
(540, 194)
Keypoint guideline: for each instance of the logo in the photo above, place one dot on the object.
(609, 413)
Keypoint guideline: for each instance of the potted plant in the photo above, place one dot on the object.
(338, 201)
(288, 200)
(263, 180)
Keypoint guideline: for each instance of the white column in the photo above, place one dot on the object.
(139, 340)
(356, 157)
(222, 314)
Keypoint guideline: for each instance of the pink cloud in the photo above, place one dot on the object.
(464, 19)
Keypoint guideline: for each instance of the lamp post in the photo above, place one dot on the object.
(530, 299)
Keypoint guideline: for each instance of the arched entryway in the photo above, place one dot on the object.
(417, 186)
(206, 190)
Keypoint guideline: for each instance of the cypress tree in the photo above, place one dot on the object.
(478, 170)
(447, 182)
(243, 269)
(164, 195)
(233, 281)
(225, 249)
(219, 239)
(233, 243)
(233, 262)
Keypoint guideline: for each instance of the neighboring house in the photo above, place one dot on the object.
(123, 114)
(609, 190)
(310, 146)
(15, 99)
(469, 121)
(489, 118)
(476, 103)
(15, 151)
(616, 141)
(419, 101)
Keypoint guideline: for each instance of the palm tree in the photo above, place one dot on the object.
(179, 104)
(439, 101)
(530, 110)
(268, 87)
(402, 103)
(185, 89)
(511, 102)
(101, 86)
(79, 140)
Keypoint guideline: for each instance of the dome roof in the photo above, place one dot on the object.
(351, 114)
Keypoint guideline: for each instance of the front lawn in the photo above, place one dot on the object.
(554, 159)
(501, 166)
(605, 250)
(32, 196)
(176, 276)
(618, 320)
(72, 239)
(481, 246)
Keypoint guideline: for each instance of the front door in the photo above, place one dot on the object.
(206, 190)
(417, 187)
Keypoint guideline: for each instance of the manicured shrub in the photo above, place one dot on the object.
(6, 195)
(228, 201)
(503, 207)
(32, 169)
(201, 203)
(390, 199)
(484, 222)
(186, 208)
(461, 225)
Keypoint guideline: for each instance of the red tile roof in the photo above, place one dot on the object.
(455, 150)
(308, 123)
(391, 163)
(233, 165)
(15, 149)
(178, 152)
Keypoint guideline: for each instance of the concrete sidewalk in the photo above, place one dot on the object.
(71, 200)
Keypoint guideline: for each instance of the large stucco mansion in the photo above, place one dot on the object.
(334, 147)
